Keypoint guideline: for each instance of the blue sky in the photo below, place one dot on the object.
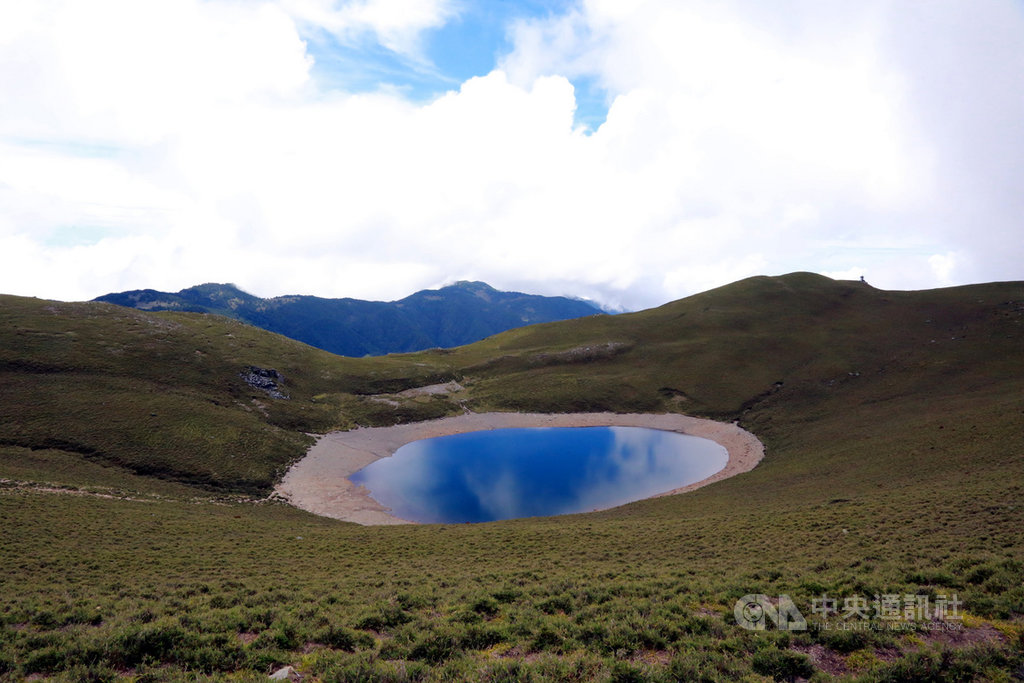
(627, 152)
(470, 44)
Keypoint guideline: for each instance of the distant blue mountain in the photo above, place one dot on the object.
(451, 316)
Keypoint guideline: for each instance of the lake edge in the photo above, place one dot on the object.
(318, 483)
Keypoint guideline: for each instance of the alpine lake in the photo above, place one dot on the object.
(500, 474)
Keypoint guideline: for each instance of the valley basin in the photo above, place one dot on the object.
(319, 482)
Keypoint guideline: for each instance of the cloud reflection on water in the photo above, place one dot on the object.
(510, 473)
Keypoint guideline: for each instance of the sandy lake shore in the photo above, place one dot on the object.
(319, 482)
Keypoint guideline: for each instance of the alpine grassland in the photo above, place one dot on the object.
(139, 539)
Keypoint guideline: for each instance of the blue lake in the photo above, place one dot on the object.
(508, 473)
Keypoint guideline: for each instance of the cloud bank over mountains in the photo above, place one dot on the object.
(166, 143)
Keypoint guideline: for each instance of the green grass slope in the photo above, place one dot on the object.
(895, 466)
(163, 394)
(717, 352)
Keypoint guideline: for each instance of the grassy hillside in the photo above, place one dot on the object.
(895, 465)
(718, 352)
(164, 393)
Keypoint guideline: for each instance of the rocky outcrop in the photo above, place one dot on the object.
(580, 354)
(266, 379)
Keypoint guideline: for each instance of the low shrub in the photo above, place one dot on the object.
(385, 617)
(341, 638)
(782, 665)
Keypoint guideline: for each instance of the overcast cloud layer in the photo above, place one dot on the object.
(167, 143)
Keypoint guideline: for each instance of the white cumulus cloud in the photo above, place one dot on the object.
(396, 24)
(167, 143)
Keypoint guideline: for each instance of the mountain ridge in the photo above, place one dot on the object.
(457, 314)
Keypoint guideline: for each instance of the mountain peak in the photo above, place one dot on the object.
(479, 289)
(220, 288)
(471, 285)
